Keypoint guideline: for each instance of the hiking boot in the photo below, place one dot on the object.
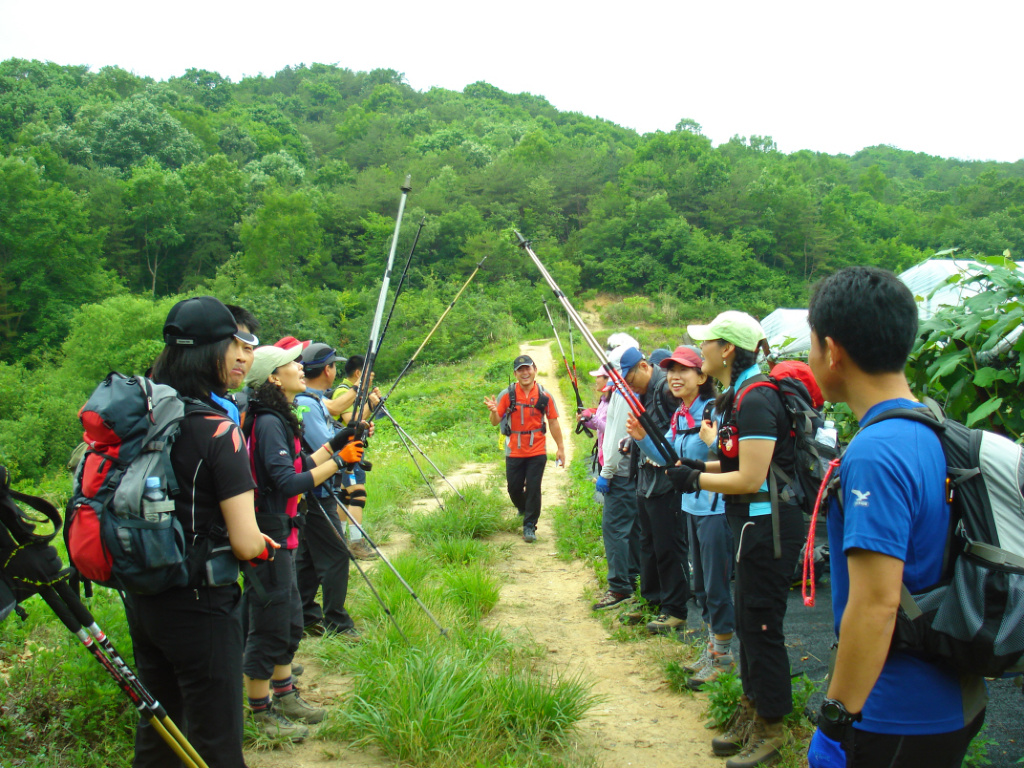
(763, 745)
(718, 664)
(737, 728)
(294, 707)
(361, 550)
(274, 725)
(529, 535)
(702, 661)
(665, 624)
(609, 600)
(297, 669)
(313, 630)
(631, 618)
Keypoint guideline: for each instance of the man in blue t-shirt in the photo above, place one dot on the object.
(890, 529)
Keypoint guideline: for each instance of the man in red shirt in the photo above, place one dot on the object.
(526, 447)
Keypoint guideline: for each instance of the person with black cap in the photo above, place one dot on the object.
(323, 556)
(527, 407)
(188, 641)
(282, 473)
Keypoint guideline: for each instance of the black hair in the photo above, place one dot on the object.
(268, 396)
(870, 313)
(708, 390)
(244, 317)
(354, 364)
(741, 360)
(193, 371)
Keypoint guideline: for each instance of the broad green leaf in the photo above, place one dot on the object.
(985, 376)
(983, 410)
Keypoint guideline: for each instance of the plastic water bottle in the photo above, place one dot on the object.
(827, 434)
(154, 500)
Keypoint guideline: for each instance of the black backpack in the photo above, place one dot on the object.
(505, 424)
(812, 455)
(116, 536)
(973, 619)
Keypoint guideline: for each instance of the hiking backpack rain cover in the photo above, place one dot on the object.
(974, 618)
(114, 536)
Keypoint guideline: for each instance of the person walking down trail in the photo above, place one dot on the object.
(525, 412)
(891, 529)
(755, 435)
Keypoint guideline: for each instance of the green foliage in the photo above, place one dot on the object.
(723, 697)
(968, 356)
(481, 513)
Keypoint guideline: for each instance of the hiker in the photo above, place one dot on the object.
(236, 403)
(282, 473)
(710, 543)
(597, 418)
(620, 531)
(323, 556)
(526, 451)
(664, 570)
(890, 529)
(340, 407)
(751, 437)
(188, 641)
(344, 395)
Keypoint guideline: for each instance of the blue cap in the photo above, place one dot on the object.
(629, 359)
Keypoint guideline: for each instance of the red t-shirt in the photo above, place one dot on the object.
(526, 421)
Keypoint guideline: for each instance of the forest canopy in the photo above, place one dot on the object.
(119, 194)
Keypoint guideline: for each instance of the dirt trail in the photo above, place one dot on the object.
(639, 721)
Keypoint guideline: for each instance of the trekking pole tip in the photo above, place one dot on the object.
(523, 242)
(407, 187)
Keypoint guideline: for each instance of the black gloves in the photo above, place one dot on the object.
(33, 566)
(684, 479)
(694, 464)
(341, 439)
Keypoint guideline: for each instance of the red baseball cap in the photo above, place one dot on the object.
(685, 356)
(290, 341)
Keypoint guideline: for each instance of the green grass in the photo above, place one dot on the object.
(482, 512)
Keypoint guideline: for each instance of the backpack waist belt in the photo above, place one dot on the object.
(274, 525)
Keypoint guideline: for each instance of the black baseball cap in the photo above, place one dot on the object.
(318, 355)
(522, 360)
(200, 321)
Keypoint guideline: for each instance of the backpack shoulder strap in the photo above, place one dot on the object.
(755, 382)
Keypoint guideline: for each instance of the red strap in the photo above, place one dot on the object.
(742, 392)
(808, 571)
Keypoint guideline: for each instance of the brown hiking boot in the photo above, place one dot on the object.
(666, 625)
(737, 728)
(763, 745)
(361, 550)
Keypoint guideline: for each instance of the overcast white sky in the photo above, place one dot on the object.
(938, 77)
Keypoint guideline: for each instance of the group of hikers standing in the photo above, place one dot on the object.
(714, 511)
(242, 468)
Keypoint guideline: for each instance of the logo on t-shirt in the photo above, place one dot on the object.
(862, 498)
(282, 452)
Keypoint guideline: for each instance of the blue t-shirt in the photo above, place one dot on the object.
(893, 479)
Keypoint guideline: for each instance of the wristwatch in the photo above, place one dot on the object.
(836, 713)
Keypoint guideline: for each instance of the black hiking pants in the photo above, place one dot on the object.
(762, 590)
(323, 560)
(188, 652)
(524, 475)
(664, 569)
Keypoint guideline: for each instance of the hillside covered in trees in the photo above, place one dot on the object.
(118, 193)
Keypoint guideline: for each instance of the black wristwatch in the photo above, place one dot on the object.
(835, 713)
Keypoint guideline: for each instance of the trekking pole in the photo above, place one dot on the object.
(355, 562)
(70, 610)
(635, 406)
(341, 505)
(405, 444)
(415, 445)
(571, 371)
(401, 281)
(371, 347)
(415, 354)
